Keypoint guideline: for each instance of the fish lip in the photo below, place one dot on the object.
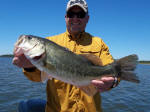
(18, 51)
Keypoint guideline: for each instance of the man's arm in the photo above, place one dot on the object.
(105, 83)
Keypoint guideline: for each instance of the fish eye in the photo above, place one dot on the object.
(29, 37)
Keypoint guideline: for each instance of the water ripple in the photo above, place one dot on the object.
(126, 97)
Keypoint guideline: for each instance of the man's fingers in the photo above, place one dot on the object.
(97, 82)
(107, 78)
(14, 61)
(103, 84)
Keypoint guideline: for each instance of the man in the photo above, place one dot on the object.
(63, 97)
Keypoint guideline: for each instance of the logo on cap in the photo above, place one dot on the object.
(80, 3)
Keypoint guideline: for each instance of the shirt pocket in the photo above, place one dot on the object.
(90, 50)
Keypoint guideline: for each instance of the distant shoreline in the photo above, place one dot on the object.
(145, 62)
(7, 55)
(10, 55)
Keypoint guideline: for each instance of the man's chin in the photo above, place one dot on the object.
(76, 31)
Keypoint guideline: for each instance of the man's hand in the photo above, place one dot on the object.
(104, 84)
(21, 61)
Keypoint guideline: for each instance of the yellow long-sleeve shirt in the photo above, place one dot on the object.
(63, 97)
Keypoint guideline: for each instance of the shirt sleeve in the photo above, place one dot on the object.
(34, 75)
(105, 55)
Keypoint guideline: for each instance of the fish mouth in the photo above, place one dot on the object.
(19, 48)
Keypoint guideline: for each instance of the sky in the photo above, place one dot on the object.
(124, 25)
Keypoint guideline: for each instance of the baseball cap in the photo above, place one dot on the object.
(80, 3)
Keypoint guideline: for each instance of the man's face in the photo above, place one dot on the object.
(75, 20)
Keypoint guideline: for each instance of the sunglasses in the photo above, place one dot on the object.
(80, 14)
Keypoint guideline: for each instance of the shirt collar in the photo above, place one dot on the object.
(79, 37)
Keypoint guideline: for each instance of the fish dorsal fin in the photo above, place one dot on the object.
(93, 58)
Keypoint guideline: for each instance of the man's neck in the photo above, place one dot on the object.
(75, 35)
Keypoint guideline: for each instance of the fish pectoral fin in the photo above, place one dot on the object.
(45, 77)
(89, 89)
(93, 58)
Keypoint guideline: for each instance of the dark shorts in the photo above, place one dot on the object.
(33, 105)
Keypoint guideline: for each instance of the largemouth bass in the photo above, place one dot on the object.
(62, 64)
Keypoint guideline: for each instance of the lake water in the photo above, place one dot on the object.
(127, 97)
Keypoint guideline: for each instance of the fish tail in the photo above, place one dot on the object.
(126, 67)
